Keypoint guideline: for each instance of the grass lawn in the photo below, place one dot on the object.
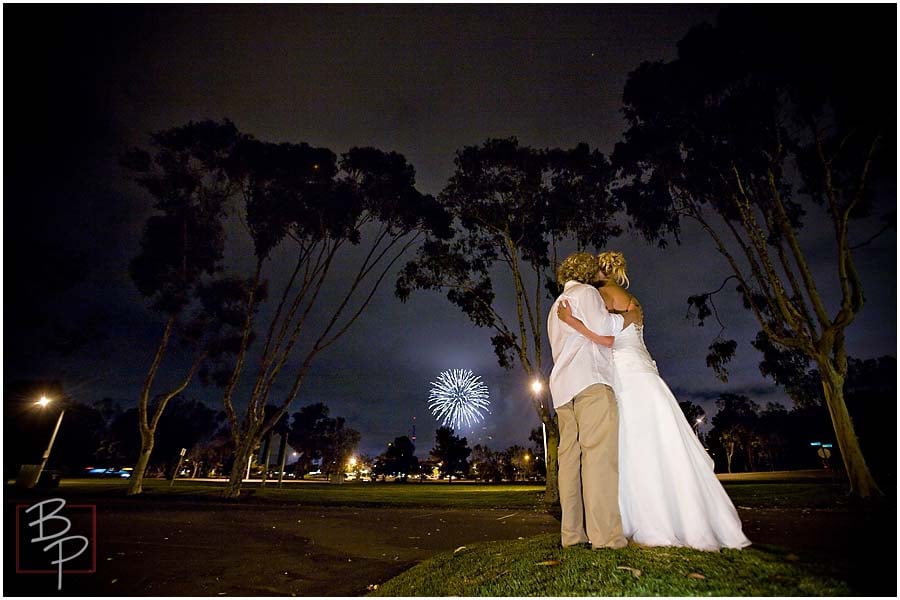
(791, 495)
(401, 495)
(438, 494)
(538, 566)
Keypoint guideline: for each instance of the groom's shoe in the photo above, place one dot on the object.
(582, 545)
(615, 544)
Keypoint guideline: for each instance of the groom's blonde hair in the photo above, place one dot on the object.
(581, 267)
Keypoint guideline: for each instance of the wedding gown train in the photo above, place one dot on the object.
(668, 492)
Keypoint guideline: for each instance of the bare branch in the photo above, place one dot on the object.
(754, 231)
(198, 360)
(880, 232)
(151, 374)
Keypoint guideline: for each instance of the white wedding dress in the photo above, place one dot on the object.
(668, 492)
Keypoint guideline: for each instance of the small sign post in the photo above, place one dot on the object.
(178, 466)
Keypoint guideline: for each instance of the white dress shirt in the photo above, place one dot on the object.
(577, 361)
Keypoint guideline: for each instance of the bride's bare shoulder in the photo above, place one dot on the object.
(615, 297)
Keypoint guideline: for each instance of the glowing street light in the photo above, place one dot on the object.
(537, 387)
(43, 403)
(697, 426)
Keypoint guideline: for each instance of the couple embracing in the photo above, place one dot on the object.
(630, 465)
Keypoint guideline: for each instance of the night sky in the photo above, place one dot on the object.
(84, 83)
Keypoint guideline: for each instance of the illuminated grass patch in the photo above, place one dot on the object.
(537, 566)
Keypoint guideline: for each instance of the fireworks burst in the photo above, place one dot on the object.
(458, 396)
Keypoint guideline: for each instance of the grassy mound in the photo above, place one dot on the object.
(538, 566)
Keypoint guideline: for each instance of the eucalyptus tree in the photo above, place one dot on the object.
(451, 453)
(341, 444)
(765, 123)
(307, 435)
(513, 207)
(398, 459)
(342, 225)
(316, 436)
(486, 463)
(734, 426)
(179, 263)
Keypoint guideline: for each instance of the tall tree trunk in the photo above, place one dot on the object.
(146, 424)
(136, 482)
(267, 456)
(729, 452)
(551, 494)
(241, 455)
(858, 474)
(136, 485)
(282, 456)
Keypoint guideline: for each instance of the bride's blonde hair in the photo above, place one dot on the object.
(613, 266)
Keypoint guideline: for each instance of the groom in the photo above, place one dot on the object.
(581, 387)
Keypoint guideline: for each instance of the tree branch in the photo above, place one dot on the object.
(151, 375)
(788, 312)
(881, 231)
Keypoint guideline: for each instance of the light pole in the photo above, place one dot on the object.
(43, 402)
(537, 387)
(697, 426)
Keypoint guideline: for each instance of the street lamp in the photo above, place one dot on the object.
(537, 387)
(43, 402)
(697, 426)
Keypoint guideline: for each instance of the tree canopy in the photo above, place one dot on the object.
(452, 453)
(512, 206)
(760, 127)
(398, 459)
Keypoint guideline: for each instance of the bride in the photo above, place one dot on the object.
(668, 492)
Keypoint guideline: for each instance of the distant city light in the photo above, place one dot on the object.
(458, 397)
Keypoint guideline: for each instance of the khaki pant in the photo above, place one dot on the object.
(589, 469)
